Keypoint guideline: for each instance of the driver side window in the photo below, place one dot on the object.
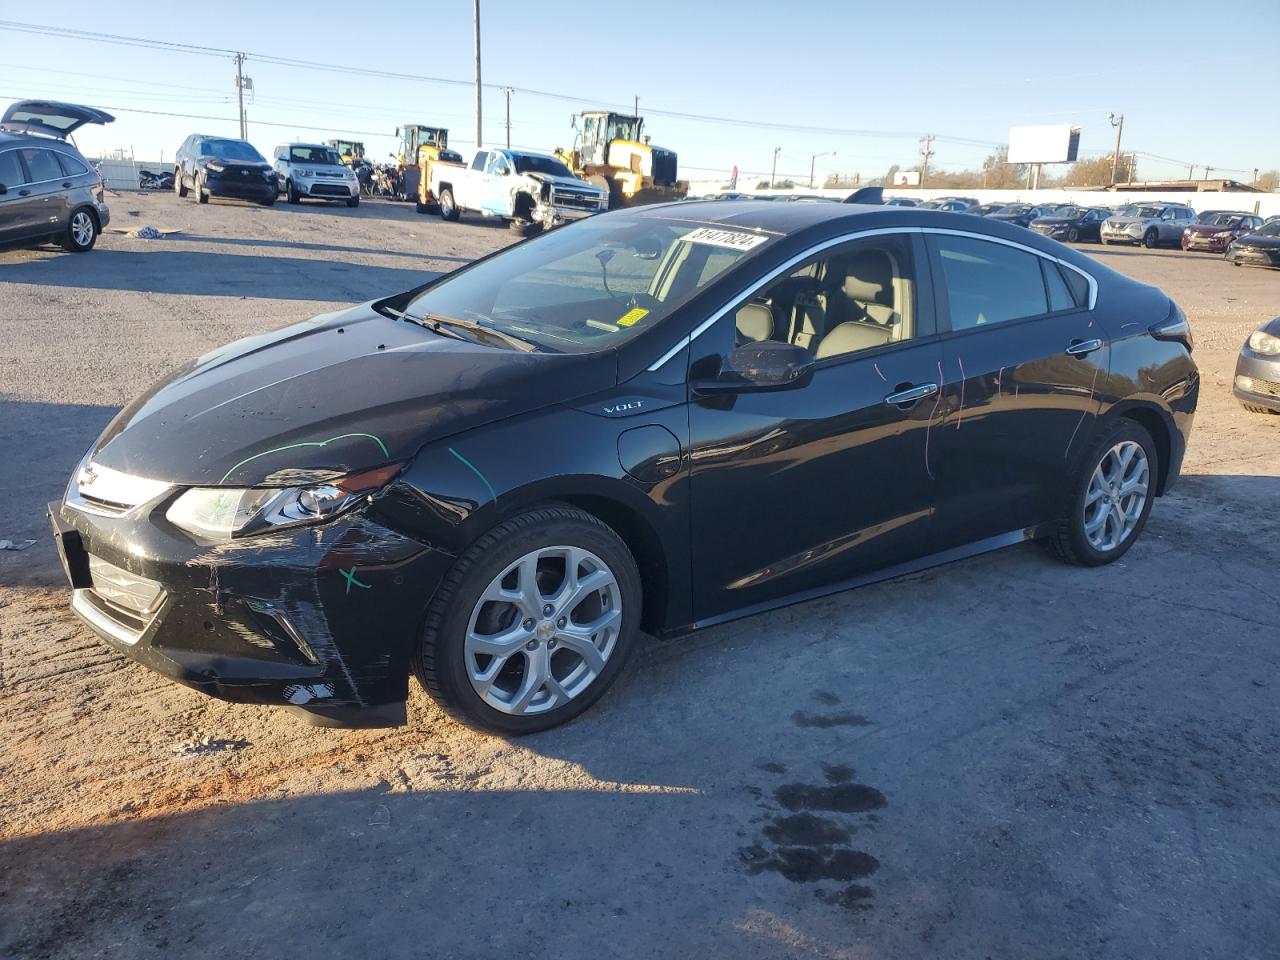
(856, 297)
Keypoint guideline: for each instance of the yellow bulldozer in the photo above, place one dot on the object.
(610, 150)
(420, 146)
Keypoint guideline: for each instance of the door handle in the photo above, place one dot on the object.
(24, 193)
(911, 395)
(67, 185)
(1079, 348)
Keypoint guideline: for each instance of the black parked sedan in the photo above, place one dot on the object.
(1259, 249)
(222, 167)
(1257, 382)
(1072, 224)
(661, 418)
(1022, 214)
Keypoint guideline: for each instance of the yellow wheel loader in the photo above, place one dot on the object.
(610, 150)
(420, 146)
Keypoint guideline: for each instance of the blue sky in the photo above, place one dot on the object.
(964, 72)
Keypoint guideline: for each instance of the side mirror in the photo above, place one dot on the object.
(3, 189)
(764, 365)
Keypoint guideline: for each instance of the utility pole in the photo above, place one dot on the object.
(1191, 173)
(637, 105)
(1118, 123)
(508, 91)
(479, 134)
(926, 151)
(773, 176)
(244, 127)
(1207, 171)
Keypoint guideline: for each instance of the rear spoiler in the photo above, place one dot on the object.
(871, 195)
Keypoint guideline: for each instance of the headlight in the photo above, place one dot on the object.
(304, 173)
(1262, 342)
(214, 167)
(1223, 235)
(220, 513)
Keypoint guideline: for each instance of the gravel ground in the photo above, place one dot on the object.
(1004, 757)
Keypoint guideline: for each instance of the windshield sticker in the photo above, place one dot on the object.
(632, 317)
(734, 239)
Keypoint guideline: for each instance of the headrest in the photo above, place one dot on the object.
(755, 322)
(851, 336)
(870, 278)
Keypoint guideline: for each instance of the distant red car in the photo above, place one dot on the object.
(1214, 230)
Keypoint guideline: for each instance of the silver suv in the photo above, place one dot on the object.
(48, 191)
(1149, 224)
(315, 170)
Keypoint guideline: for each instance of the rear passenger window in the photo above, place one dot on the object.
(71, 167)
(990, 282)
(41, 165)
(1060, 296)
(10, 169)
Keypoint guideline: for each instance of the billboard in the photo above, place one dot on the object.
(906, 178)
(1057, 143)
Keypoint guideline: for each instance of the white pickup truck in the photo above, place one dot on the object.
(532, 191)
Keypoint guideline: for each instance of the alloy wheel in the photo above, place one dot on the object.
(82, 229)
(543, 630)
(1116, 496)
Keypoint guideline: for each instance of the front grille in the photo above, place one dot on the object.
(123, 589)
(329, 190)
(101, 490)
(579, 201)
(1266, 386)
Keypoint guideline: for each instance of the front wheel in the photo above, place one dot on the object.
(532, 624)
(525, 228)
(179, 187)
(1073, 235)
(1151, 238)
(202, 195)
(353, 202)
(1110, 497)
(291, 192)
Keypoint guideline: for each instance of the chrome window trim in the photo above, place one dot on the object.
(846, 238)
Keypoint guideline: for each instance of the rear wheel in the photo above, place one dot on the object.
(448, 209)
(533, 623)
(1109, 498)
(81, 233)
(1151, 238)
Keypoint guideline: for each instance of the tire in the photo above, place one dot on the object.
(1073, 235)
(525, 228)
(202, 195)
(1071, 541)
(179, 187)
(1151, 239)
(445, 665)
(81, 233)
(267, 203)
(353, 202)
(1253, 408)
(291, 192)
(448, 209)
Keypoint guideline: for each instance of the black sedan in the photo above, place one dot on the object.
(987, 209)
(1257, 382)
(1022, 214)
(1259, 249)
(660, 418)
(1072, 224)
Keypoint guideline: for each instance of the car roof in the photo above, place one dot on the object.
(787, 218)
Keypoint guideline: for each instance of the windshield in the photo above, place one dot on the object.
(534, 164)
(1271, 229)
(1066, 213)
(593, 285)
(432, 138)
(624, 128)
(1141, 212)
(230, 150)
(315, 155)
(1220, 219)
(1014, 209)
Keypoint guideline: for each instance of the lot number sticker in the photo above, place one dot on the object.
(632, 317)
(733, 239)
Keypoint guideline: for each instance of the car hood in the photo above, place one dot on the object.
(574, 182)
(1127, 221)
(341, 168)
(1007, 216)
(342, 392)
(1055, 221)
(1259, 240)
(237, 164)
(50, 118)
(1208, 229)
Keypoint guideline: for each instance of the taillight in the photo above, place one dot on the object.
(1174, 327)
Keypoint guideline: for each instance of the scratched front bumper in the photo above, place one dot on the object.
(319, 617)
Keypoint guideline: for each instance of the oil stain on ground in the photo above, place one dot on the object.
(812, 841)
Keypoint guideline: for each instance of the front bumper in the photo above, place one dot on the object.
(1256, 256)
(1210, 243)
(327, 188)
(317, 617)
(234, 186)
(1128, 235)
(1257, 380)
(557, 209)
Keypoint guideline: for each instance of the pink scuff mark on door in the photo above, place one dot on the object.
(882, 376)
(942, 383)
(960, 412)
